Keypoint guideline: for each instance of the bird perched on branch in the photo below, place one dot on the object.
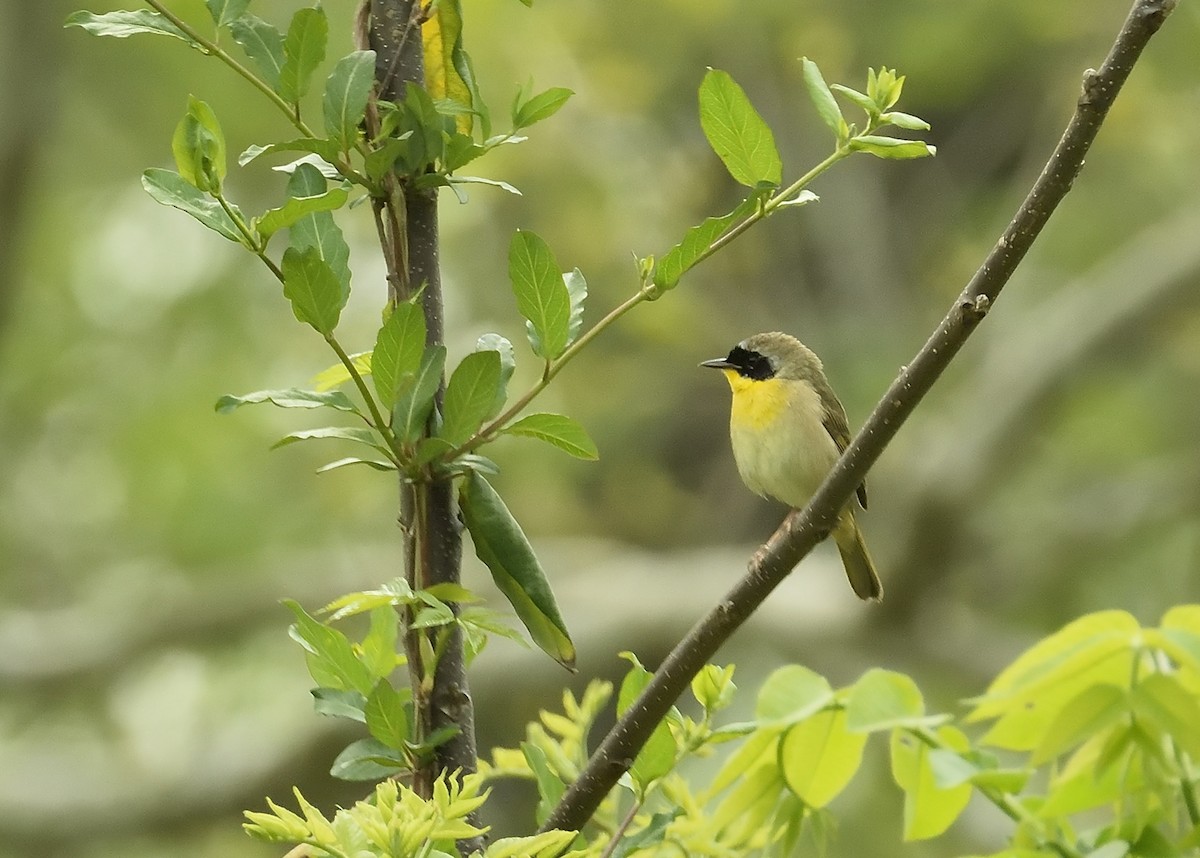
(788, 429)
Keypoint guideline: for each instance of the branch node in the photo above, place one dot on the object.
(976, 307)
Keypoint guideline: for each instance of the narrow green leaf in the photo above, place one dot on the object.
(318, 230)
(199, 147)
(398, 349)
(303, 51)
(928, 809)
(465, 68)
(791, 694)
(503, 548)
(124, 24)
(225, 12)
(883, 699)
(327, 149)
(557, 429)
(386, 719)
(508, 363)
(414, 398)
(892, 148)
(346, 92)
(353, 460)
(289, 398)
(310, 284)
(470, 394)
(295, 208)
(823, 99)
(577, 291)
(170, 189)
(263, 44)
(657, 757)
(357, 434)
(737, 133)
(696, 241)
(905, 120)
(861, 99)
(421, 116)
(1092, 710)
(337, 374)
(368, 760)
(331, 661)
(479, 180)
(819, 756)
(542, 296)
(541, 106)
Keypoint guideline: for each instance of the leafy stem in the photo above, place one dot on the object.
(377, 421)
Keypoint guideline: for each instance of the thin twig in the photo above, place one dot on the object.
(802, 530)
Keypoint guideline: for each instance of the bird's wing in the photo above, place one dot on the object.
(839, 429)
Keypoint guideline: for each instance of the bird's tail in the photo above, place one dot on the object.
(859, 567)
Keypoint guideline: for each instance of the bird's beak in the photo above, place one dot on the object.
(718, 363)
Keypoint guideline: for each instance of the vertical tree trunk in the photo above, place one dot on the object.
(432, 527)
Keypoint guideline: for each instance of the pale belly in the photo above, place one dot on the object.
(788, 455)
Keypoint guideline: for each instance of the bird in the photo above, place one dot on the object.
(787, 429)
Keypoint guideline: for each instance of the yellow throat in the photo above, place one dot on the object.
(756, 404)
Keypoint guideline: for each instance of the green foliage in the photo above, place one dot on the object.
(124, 24)
(346, 93)
(558, 430)
(303, 51)
(542, 295)
(263, 44)
(199, 147)
(504, 549)
(398, 350)
(737, 133)
(310, 284)
(171, 189)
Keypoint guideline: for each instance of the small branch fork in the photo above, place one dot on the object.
(803, 529)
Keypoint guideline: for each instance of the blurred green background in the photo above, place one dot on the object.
(148, 691)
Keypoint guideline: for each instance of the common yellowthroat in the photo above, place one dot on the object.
(788, 429)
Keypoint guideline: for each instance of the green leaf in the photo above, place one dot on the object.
(124, 24)
(928, 809)
(1094, 709)
(346, 92)
(696, 242)
(339, 704)
(541, 106)
(791, 694)
(503, 548)
(713, 687)
(737, 133)
(414, 397)
(337, 374)
(331, 659)
(542, 296)
(399, 346)
(883, 699)
(469, 396)
(327, 149)
(310, 284)
(318, 230)
(892, 148)
(303, 51)
(289, 398)
(354, 460)
(225, 12)
(385, 715)
(550, 785)
(295, 208)
(263, 44)
(823, 99)
(905, 120)
(818, 757)
(559, 430)
(199, 147)
(170, 189)
(508, 363)
(455, 181)
(357, 434)
(577, 291)
(368, 760)
(657, 757)
(1163, 700)
(861, 99)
